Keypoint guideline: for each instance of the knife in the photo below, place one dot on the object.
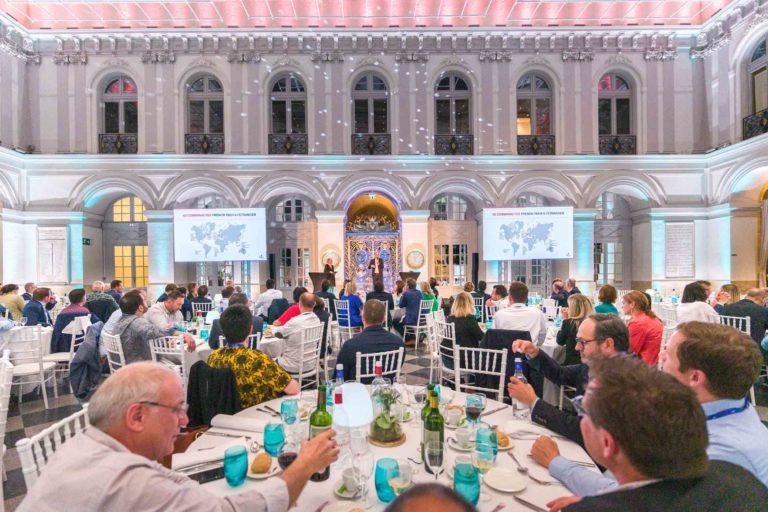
(486, 413)
(187, 469)
(528, 504)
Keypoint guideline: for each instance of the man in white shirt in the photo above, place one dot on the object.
(265, 299)
(293, 330)
(518, 316)
(136, 416)
(167, 313)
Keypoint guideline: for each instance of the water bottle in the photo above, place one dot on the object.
(520, 410)
(335, 385)
(558, 320)
(674, 297)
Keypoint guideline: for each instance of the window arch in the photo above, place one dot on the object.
(452, 106)
(370, 100)
(531, 199)
(758, 77)
(120, 119)
(128, 209)
(292, 209)
(450, 207)
(288, 105)
(126, 239)
(534, 105)
(205, 115)
(614, 105)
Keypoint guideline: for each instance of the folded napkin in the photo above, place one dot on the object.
(229, 422)
(210, 454)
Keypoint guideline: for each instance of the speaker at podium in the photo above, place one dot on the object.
(404, 276)
(318, 278)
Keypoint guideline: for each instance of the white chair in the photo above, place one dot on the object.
(309, 364)
(443, 332)
(114, 348)
(26, 347)
(253, 341)
(469, 361)
(202, 307)
(391, 363)
(6, 380)
(490, 312)
(425, 308)
(439, 315)
(35, 451)
(668, 314)
(342, 313)
(63, 359)
(741, 323)
(479, 308)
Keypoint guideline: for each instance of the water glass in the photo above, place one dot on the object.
(386, 469)
(483, 457)
(274, 438)
(487, 435)
(434, 457)
(235, 465)
(362, 465)
(204, 335)
(289, 410)
(474, 407)
(466, 480)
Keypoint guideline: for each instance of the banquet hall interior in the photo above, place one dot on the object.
(213, 141)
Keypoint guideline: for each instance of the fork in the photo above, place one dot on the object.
(498, 507)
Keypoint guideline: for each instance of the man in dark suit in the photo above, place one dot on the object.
(598, 336)
(378, 293)
(116, 290)
(752, 306)
(29, 289)
(326, 294)
(410, 300)
(35, 310)
(650, 431)
(376, 266)
(372, 340)
(216, 331)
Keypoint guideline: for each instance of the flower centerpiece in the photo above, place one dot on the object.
(386, 426)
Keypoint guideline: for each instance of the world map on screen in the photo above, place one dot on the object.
(520, 238)
(218, 239)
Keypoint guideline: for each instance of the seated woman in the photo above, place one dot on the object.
(728, 294)
(693, 306)
(645, 330)
(355, 306)
(426, 294)
(607, 297)
(466, 330)
(579, 307)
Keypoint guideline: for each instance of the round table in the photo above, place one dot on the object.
(317, 493)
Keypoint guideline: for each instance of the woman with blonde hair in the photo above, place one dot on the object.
(466, 330)
(645, 330)
(728, 294)
(426, 294)
(355, 306)
(579, 307)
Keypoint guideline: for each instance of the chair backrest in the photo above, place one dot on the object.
(444, 332)
(166, 346)
(309, 364)
(326, 304)
(741, 323)
(342, 310)
(25, 343)
(77, 340)
(440, 315)
(425, 309)
(490, 311)
(254, 340)
(6, 379)
(479, 308)
(114, 348)
(481, 361)
(202, 307)
(667, 314)
(391, 363)
(35, 451)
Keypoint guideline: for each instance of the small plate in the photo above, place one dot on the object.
(453, 443)
(346, 495)
(505, 480)
(508, 447)
(274, 469)
(408, 416)
(462, 423)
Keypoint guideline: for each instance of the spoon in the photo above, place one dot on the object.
(522, 469)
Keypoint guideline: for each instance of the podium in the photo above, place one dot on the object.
(318, 278)
(404, 276)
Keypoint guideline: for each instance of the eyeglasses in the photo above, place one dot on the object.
(578, 404)
(175, 409)
(583, 342)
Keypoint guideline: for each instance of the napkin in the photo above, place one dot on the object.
(227, 421)
(211, 454)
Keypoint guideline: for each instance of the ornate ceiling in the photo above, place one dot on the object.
(246, 14)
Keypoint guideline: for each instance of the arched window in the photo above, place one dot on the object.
(120, 122)
(128, 209)
(450, 207)
(288, 104)
(531, 199)
(453, 130)
(205, 115)
(371, 100)
(612, 239)
(754, 124)
(292, 210)
(128, 242)
(614, 115)
(534, 106)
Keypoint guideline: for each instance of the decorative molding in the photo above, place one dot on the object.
(619, 59)
(67, 58)
(158, 57)
(411, 57)
(327, 57)
(660, 54)
(115, 62)
(202, 62)
(243, 57)
(494, 56)
(710, 41)
(586, 54)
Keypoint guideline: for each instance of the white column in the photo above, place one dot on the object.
(76, 255)
(160, 247)
(582, 266)
(415, 234)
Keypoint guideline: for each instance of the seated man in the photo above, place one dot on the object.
(136, 415)
(135, 331)
(650, 431)
(293, 310)
(572, 289)
(720, 364)
(517, 316)
(372, 340)
(326, 294)
(559, 295)
(430, 496)
(99, 303)
(410, 301)
(29, 289)
(116, 289)
(378, 293)
(261, 307)
(258, 377)
(60, 342)
(168, 312)
(598, 336)
(293, 332)
(35, 310)
(168, 288)
(226, 293)
(498, 294)
(216, 330)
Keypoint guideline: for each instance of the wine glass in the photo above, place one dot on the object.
(433, 455)
(402, 481)
(475, 405)
(482, 459)
(362, 465)
(358, 442)
(23, 321)
(401, 386)
(419, 396)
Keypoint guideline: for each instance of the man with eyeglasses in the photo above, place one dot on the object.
(598, 336)
(720, 364)
(136, 416)
(649, 430)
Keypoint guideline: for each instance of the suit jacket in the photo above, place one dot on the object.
(213, 337)
(725, 487)
(36, 314)
(560, 298)
(211, 391)
(371, 340)
(329, 269)
(410, 300)
(758, 316)
(331, 304)
(26, 296)
(376, 269)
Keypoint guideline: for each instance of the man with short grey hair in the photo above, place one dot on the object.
(136, 416)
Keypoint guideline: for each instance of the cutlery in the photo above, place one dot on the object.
(532, 434)
(498, 507)
(264, 409)
(187, 469)
(274, 411)
(524, 470)
(528, 504)
(486, 413)
(577, 462)
(322, 506)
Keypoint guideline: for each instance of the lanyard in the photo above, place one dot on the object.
(728, 412)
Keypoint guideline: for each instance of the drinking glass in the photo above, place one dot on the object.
(23, 321)
(363, 467)
(475, 405)
(274, 438)
(402, 481)
(433, 455)
(204, 335)
(288, 455)
(483, 458)
(235, 465)
(358, 442)
(487, 435)
(466, 480)
(419, 396)
(401, 386)
(289, 410)
(386, 469)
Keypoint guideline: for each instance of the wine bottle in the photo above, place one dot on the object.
(425, 409)
(434, 425)
(319, 422)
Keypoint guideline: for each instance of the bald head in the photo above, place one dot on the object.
(307, 302)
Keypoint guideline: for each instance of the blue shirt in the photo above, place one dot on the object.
(738, 438)
(355, 307)
(411, 302)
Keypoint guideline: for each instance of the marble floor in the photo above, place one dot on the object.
(31, 417)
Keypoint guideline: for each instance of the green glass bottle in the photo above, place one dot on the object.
(434, 427)
(425, 409)
(319, 422)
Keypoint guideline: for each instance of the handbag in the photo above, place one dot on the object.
(187, 437)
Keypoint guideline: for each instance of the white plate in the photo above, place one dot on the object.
(409, 415)
(453, 443)
(346, 495)
(274, 469)
(505, 480)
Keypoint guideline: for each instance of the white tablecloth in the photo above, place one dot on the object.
(316, 493)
